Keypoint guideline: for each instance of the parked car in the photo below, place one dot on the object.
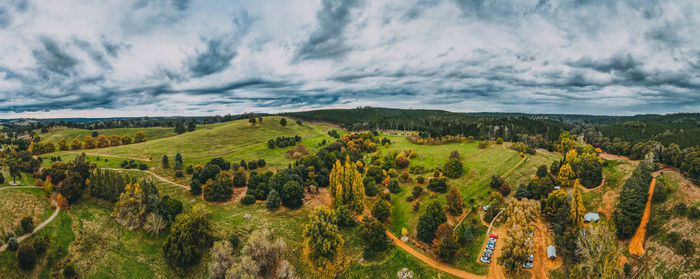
(485, 260)
(527, 265)
(493, 235)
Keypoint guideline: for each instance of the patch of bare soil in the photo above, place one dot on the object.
(322, 198)
(607, 204)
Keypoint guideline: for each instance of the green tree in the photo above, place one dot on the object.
(455, 204)
(165, 162)
(26, 257)
(273, 200)
(27, 224)
(373, 235)
(283, 121)
(322, 239)
(428, 223)
(381, 210)
(551, 205)
(189, 237)
(453, 168)
(292, 194)
(542, 171)
(239, 178)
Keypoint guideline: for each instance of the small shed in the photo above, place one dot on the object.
(591, 217)
(551, 252)
(557, 187)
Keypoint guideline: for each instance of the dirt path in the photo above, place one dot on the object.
(39, 227)
(111, 156)
(153, 174)
(539, 269)
(514, 167)
(637, 242)
(584, 189)
(432, 263)
(496, 269)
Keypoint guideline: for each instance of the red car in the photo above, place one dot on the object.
(493, 235)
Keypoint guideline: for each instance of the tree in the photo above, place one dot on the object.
(566, 176)
(27, 224)
(130, 208)
(265, 251)
(89, 143)
(394, 186)
(221, 259)
(551, 205)
(496, 182)
(519, 245)
(154, 223)
(26, 257)
(139, 137)
(165, 162)
(273, 200)
(589, 170)
(373, 235)
(188, 238)
(102, 141)
(126, 139)
(114, 140)
(504, 189)
(455, 204)
(381, 210)
(292, 194)
(75, 144)
(72, 186)
(252, 121)
(62, 145)
(597, 252)
(446, 243)
(239, 178)
(542, 171)
(346, 185)
(15, 170)
(438, 185)
(577, 208)
(169, 208)
(191, 126)
(283, 121)
(343, 218)
(195, 187)
(428, 223)
(322, 239)
(454, 155)
(2, 179)
(453, 168)
(180, 128)
(219, 190)
(49, 147)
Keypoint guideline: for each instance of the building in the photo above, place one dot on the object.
(551, 252)
(591, 217)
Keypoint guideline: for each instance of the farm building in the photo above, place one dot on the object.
(591, 217)
(551, 252)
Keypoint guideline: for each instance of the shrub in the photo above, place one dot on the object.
(454, 155)
(69, 271)
(343, 218)
(681, 209)
(428, 223)
(483, 144)
(694, 213)
(273, 200)
(248, 200)
(454, 202)
(504, 189)
(371, 188)
(218, 190)
(179, 174)
(453, 168)
(381, 210)
(27, 224)
(292, 194)
(446, 243)
(394, 186)
(686, 248)
(416, 207)
(41, 244)
(417, 191)
(417, 169)
(261, 163)
(12, 244)
(402, 162)
(404, 177)
(464, 233)
(420, 179)
(26, 257)
(542, 171)
(189, 169)
(438, 185)
(252, 165)
(143, 166)
(499, 141)
(496, 182)
(372, 232)
(195, 187)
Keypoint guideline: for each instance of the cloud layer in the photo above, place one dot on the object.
(180, 57)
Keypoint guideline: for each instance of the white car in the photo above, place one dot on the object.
(485, 260)
(527, 265)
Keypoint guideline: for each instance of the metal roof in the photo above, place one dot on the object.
(551, 251)
(591, 217)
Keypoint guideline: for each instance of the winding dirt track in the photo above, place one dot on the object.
(153, 174)
(637, 242)
(432, 263)
(39, 227)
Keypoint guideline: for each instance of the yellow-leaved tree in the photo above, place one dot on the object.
(566, 176)
(346, 185)
(577, 208)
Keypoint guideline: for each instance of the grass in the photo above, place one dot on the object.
(19, 203)
(615, 174)
(56, 134)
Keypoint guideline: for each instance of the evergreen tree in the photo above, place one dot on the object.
(165, 162)
(577, 208)
(428, 223)
(273, 200)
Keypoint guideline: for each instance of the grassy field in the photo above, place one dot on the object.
(19, 203)
(152, 133)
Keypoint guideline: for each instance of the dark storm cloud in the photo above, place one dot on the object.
(327, 41)
(216, 58)
(49, 56)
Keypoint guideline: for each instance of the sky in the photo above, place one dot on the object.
(109, 58)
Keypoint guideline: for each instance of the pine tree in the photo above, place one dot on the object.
(577, 208)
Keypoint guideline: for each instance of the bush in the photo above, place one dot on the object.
(273, 200)
(402, 162)
(371, 188)
(292, 194)
(417, 191)
(69, 271)
(217, 191)
(394, 186)
(189, 169)
(343, 218)
(438, 185)
(27, 224)
(381, 210)
(404, 177)
(504, 189)
(681, 209)
(26, 257)
(420, 179)
(374, 236)
(12, 244)
(694, 213)
(455, 204)
(686, 248)
(248, 200)
(499, 141)
(454, 155)
(483, 144)
(179, 174)
(496, 182)
(143, 166)
(542, 171)
(416, 207)
(453, 168)
(41, 244)
(417, 169)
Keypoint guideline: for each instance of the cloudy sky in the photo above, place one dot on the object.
(178, 57)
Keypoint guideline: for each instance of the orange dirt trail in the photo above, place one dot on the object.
(637, 243)
(432, 263)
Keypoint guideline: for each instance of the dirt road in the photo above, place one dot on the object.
(153, 174)
(496, 269)
(432, 263)
(539, 268)
(637, 242)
